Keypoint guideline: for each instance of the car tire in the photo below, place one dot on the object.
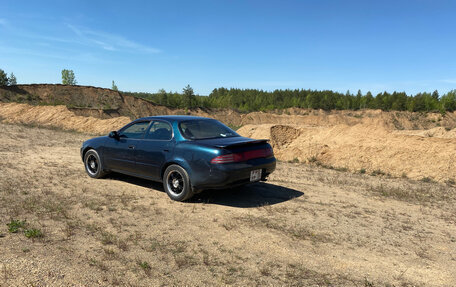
(176, 183)
(93, 165)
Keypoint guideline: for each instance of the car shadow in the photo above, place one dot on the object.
(136, 181)
(247, 196)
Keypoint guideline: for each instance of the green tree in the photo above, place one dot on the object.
(313, 101)
(328, 102)
(435, 95)
(12, 81)
(68, 77)
(430, 102)
(399, 101)
(3, 78)
(248, 100)
(188, 96)
(448, 101)
(162, 97)
(357, 100)
(114, 87)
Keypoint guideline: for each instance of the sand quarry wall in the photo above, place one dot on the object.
(101, 103)
(401, 144)
(416, 145)
(58, 117)
(362, 147)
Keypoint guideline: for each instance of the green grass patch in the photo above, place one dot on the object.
(144, 265)
(33, 233)
(15, 225)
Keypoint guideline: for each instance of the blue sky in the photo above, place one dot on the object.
(148, 45)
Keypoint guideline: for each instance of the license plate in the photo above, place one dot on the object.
(255, 175)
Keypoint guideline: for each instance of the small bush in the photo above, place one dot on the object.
(15, 225)
(362, 171)
(108, 238)
(144, 265)
(378, 172)
(427, 179)
(33, 233)
(312, 159)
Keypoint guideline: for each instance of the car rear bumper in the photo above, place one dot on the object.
(233, 174)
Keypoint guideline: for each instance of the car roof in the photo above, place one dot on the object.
(178, 118)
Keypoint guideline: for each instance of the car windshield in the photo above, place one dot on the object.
(205, 129)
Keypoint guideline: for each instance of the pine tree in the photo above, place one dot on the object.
(3, 78)
(188, 96)
(162, 97)
(12, 81)
(114, 87)
(68, 77)
(435, 95)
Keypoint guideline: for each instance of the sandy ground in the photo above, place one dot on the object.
(307, 226)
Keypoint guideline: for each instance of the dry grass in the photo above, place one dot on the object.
(308, 226)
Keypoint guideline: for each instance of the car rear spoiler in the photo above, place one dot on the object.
(241, 143)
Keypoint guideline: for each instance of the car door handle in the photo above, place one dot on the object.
(131, 147)
(166, 150)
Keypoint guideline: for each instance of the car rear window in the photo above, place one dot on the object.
(159, 131)
(205, 129)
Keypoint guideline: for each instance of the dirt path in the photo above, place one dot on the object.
(306, 226)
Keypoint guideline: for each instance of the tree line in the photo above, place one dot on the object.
(184, 100)
(249, 100)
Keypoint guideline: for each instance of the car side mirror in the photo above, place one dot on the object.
(114, 135)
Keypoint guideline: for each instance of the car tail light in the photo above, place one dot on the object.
(224, 158)
(243, 156)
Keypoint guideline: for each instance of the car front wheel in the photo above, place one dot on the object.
(93, 165)
(177, 183)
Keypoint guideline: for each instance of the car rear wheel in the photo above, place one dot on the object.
(93, 165)
(177, 183)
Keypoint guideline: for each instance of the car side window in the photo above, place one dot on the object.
(135, 131)
(159, 131)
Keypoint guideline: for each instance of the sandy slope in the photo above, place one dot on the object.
(415, 154)
(59, 117)
(306, 227)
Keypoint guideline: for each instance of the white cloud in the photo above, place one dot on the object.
(110, 42)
